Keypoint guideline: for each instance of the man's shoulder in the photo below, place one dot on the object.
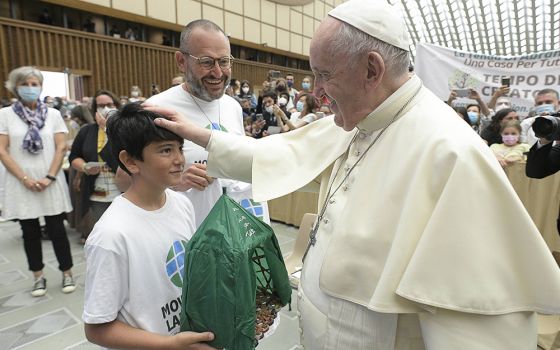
(168, 96)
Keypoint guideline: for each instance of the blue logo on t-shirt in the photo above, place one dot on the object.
(252, 207)
(175, 263)
(216, 126)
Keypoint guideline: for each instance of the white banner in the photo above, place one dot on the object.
(443, 69)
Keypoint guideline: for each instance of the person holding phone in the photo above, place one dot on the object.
(100, 184)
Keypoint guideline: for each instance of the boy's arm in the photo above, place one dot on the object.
(117, 334)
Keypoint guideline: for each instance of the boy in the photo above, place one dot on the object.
(135, 252)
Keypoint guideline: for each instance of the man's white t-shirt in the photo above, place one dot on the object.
(223, 114)
(135, 263)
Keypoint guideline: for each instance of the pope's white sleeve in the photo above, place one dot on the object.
(445, 329)
(230, 156)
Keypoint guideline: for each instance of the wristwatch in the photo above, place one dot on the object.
(52, 178)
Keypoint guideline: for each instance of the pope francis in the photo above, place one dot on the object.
(420, 242)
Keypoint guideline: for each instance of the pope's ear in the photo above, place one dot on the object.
(375, 67)
(129, 162)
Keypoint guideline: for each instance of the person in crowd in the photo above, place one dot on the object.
(474, 115)
(205, 57)
(130, 33)
(325, 108)
(473, 96)
(544, 157)
(283, 101)
(266, 86)
(89, 25)
(463, 114)
(32, 146)
(247, 93)
(292, 92)
(101, 179)
(123, 100)
(272, 113)
(546, 103)
(280, 86)
(236, 87)
(491, 134)
(511, 150)
(393, 262)
(305, 114)
(246, 108)
(48, 101)
(124, 256)
(81, 114)
(177, 80)
(500, 93)
(306, 86)
(136, 94)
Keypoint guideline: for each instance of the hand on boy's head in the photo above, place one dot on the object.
(173, 121)
(192, 341)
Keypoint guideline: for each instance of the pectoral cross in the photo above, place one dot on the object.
(312, 239)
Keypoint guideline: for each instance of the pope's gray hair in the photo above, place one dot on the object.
(354, 43)
(199, 23)
(20, 75)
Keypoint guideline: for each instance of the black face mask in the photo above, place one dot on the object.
(246, 110)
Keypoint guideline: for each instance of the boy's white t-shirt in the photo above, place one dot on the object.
(223, 114)
(135, 262)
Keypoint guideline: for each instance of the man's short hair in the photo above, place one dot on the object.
(132, 128)
(351, 40)
(199, 23)
(548, 91)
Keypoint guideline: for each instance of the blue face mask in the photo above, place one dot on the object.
(306, 86)
(29, 93)
(299, 106)
(473, 117)
(546, 108)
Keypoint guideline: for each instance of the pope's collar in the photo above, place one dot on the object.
(381, 116)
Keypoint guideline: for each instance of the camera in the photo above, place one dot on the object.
(547, 126)
(274, 74)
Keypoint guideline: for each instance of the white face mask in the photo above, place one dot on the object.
(245, 90)
(282, 101)
(105, 111)
(134, 94)
(269, 109)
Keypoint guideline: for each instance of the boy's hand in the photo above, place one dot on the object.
(195, 177)
(192, 341)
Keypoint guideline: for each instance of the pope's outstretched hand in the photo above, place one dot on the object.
(180, 125)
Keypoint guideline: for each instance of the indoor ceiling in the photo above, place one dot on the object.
(496, 27)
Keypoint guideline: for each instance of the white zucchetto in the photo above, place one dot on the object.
(376, 18)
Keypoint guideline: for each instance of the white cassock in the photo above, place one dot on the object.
(424, 246)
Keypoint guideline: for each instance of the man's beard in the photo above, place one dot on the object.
(197, 88)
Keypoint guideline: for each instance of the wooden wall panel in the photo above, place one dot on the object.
(104, 62)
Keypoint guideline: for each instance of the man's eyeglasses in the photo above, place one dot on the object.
(210, 62)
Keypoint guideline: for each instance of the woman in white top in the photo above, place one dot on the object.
(305, 106)
(32, 146)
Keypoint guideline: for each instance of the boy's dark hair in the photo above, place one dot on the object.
(132, 128)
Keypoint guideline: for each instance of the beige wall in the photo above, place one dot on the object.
(287, 28)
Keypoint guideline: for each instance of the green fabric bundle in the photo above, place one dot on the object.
(231, 253)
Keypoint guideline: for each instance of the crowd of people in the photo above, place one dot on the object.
(391, 253)
(508, 133)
